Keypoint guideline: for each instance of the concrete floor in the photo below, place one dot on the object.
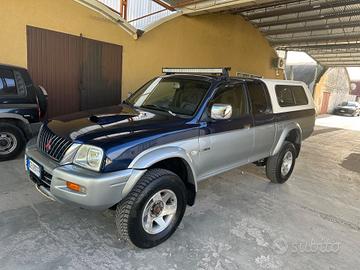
(240, 220)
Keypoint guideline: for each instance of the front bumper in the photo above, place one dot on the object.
(103, 190)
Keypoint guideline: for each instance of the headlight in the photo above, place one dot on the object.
(89, 157)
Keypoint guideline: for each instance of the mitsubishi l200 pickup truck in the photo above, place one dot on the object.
(145, 157)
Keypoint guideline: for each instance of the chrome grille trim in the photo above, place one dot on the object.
(58, 144)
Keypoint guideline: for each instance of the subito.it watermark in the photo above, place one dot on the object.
(281, 246)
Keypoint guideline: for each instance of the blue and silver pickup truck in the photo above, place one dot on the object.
(145, 156)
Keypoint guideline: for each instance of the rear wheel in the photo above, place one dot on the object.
(280, 167)
(152, 211)
(12, 141)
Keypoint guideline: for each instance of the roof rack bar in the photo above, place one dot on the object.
(214, 71)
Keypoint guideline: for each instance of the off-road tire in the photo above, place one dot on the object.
(19, 137)
(128, 217)
(273, 164)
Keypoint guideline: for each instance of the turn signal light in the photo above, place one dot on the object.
(75, 187)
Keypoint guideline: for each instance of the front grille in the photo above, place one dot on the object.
(44, 181)
(52, 145)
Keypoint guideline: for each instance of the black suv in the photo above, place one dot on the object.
(22, 105)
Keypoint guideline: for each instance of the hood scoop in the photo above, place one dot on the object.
(111, 118)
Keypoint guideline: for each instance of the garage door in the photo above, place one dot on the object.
(77, 72)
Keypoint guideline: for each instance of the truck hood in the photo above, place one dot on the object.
(114, 124)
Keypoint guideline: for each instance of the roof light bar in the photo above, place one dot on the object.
(220, 71)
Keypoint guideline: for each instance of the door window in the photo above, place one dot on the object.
(233, 95)
(7, 85)
(259, 98)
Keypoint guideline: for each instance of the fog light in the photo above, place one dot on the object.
(75, 187)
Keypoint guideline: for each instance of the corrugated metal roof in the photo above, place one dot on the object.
(328, 30)
(114, 4)
(140, 8)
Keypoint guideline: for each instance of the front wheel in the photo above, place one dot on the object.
(12, 141)
(152, 211)
(280, 166)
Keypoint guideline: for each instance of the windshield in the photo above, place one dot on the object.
(173, 95)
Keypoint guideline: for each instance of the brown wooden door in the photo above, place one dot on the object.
(101, 74)
(53, 62)
(78, 73)
(325, 102)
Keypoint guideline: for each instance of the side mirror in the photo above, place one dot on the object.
(221, 111)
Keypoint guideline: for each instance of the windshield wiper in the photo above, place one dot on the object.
(159, 108)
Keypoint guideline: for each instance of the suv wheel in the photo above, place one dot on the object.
(12, 141)
(152, 211)
(280, 166)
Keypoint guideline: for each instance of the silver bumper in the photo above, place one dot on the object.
(103, 190)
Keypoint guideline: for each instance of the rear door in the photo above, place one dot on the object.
(264, 119)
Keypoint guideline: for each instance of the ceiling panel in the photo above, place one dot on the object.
(318, 27)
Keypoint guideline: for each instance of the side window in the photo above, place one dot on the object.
(259, 98)
(300, 95)
(291, 95)
(20, 83)
(233, 95)
(8, 83)
(284, 96)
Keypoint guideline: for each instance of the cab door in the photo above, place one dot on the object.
(225, 144)
(264, 120)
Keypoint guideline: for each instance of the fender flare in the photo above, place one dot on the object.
(24, 124)
(152, 156)
(15, 117)
(288, 128)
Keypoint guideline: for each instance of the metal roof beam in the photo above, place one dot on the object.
(341, 65)
(317, 17)
(340, 61)
(316, 40)
(328, 47)
(303, 8)
(330, 26)
(164, 5)
(337, 58)
(335, 55)
(264, 5)
(315, 53)
(347, 64)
